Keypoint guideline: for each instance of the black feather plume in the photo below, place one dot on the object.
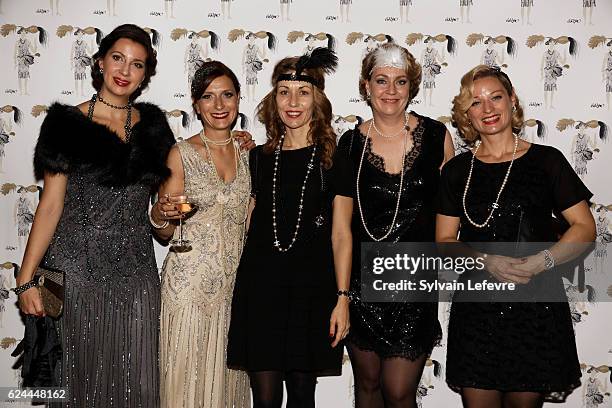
(320, 58)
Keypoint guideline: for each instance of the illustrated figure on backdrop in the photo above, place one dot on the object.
(5, 285)
(311, 40)
(181, 119)
(210, 171)
(526, 6)
(431, 60)
(396, 156)
(195, 53)
(490, 56)
(111, 7)
(6, 128)
(343, 123)
(253, 56)
(553, 63)
(80, 53)
(371, 41)
(506, 190)
(100, 161)
(606, 66)
(226, 9)
(289, 327)
(156, 37)
(594, 390)
(604, 236)
(587, 11)
(25, 51)
(539, 133)
(583, 147)
(345, 11)
(284, 9)
(168, 8)
(465, 7)
(55, 10)
(404, 6)
(23, 213)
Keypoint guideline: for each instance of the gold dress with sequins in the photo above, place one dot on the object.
(197, 290)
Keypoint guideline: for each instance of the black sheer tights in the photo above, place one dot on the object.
(478, 398)
(267, 387)
(384, 383)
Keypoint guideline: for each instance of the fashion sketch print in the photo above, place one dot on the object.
(38, 110)
(371, 41)
(168, 8)
(432, 369)
(285, 6)
(25, 52)
(312, 40)
(495, 48)
(526, 6)
(54, 5)
(9, 116)
(553, 63)
(341, 124)
(465, 7)
(253, 55)
(603, 229)
(226, 11)
(458, 143)
(155, 35)
(195, 53)
(404, 10)
(432, 60)
(178, 120)
(81, 52)
(24, 208)
(345, 11)
(8, 270)
(595, 392)
(606, 65)
(587, 11)
(579, 297)
(534, 130)
(584, 145)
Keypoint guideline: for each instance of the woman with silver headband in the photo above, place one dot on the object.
(518, 351)
(290, 305)
(397, 156)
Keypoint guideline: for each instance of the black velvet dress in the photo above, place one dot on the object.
(283, 301)
(513, 346)
(395, 329)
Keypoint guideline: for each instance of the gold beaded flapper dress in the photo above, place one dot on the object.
(197, 290)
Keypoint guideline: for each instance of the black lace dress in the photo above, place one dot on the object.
(110, 325)
(283, 301)
(395, 329)
(513, 346)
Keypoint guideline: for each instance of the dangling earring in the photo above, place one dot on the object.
(102, 70)
(513, 108)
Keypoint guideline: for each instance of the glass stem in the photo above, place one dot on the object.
(181, 229)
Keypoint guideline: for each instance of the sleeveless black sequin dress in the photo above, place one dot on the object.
(407, 330)
(513, 346)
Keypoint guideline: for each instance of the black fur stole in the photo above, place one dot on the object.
(69, 142)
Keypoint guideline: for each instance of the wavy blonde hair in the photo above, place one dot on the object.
(463, 101)
(321, 132)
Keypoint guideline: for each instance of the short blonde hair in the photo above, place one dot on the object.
(463, 101)
(413, 71)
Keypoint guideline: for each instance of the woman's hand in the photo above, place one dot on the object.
(507, 269)
(339, 322)
(166, 208)
(30, 302)
(244, 138)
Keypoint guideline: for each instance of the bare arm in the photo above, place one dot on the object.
(449, 148)
(163, 209)
(342, 246)
(250, 212)
(47, 216)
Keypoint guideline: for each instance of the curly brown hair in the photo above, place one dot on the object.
(320, 133)
(413, 70)
(463, 101)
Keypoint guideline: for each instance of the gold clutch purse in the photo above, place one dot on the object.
(51, 286)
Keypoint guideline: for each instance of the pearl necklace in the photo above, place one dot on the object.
(309, 167)
(206, 140)
(399, 193)
(469, 178)
(405, 128)
(213, 142)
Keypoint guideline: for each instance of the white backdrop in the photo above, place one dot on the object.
(218, 30)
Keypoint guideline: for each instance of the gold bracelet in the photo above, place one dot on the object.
(156, 225)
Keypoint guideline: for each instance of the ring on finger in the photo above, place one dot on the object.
(165, 213)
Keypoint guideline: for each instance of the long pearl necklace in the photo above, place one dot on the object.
(404, 128)
(309, 168)
(469, 178)
(213, 142)
(399, 193)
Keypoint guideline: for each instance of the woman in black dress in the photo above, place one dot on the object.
(389, 342)
(100, 162)
(290, 310)
(505, 190)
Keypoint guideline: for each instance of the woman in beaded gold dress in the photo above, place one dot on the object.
(210, 170)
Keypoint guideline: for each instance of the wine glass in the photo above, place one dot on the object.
(183, 206)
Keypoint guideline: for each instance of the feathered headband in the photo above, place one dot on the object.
(320, 58)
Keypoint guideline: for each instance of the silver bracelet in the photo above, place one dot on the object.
(156, 225)
(549, 260)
